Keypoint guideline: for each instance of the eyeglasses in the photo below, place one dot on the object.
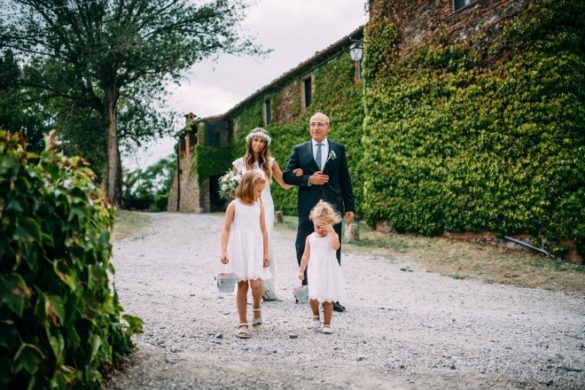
(318, 124)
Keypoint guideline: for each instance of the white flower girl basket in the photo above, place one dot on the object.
(301, 293)
(226, 282)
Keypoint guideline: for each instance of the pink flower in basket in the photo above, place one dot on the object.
(226, 281)
(301, 293)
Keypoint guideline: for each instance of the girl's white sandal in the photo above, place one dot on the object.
(243, 331)
(258, 320)
(315, 323)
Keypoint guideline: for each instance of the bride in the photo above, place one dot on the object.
(257, 156)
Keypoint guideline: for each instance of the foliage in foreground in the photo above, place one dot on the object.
(60, 323)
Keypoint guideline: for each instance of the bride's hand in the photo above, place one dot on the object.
(298, 172)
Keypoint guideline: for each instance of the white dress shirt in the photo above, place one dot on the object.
(324, 151)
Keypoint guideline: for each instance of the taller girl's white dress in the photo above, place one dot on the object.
(325, 279)
(245, 245)
(266, 196)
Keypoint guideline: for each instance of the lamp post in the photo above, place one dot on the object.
(356, 52)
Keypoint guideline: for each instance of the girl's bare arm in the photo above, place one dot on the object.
(225, 232)
(305, 259)
(265, 243)
(335, 244)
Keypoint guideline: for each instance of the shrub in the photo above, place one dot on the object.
(60, 323)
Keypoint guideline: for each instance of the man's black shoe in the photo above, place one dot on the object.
(338, 307)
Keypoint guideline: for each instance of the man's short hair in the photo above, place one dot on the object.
(321, 114)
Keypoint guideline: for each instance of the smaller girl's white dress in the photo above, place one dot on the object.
(325, 279)
(245, 245)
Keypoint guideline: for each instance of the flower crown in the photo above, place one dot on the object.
(259, 134)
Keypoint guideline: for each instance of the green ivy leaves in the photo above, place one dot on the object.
(469, 139)
(60, 323)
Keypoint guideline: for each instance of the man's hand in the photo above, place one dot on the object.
(349, 217)
(318, 178)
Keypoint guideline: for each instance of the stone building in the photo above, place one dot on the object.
(187, 193)
(413, 110)
(291, 96)
(207, 146)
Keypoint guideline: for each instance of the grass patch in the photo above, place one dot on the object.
(129, 223)
(457, 276)
(501, 265)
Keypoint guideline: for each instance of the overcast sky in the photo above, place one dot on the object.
(293, 29)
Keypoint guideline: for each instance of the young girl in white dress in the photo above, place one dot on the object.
(325, 279)
(257, 157)
(244, 246)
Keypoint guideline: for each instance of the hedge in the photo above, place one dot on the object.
(60, 322)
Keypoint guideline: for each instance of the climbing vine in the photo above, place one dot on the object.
(485, 134)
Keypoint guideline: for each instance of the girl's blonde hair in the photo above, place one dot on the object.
(264, 158)
(245, 190)
(324, 212)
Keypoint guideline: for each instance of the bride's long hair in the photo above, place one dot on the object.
(264, 157)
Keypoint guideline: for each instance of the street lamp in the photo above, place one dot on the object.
(356, 51)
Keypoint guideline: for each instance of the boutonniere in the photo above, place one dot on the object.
(332, 156)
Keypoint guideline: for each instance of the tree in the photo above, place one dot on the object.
(148, 189)
(97, 53)
(15, 115)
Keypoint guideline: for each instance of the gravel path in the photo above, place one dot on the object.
(404, 328)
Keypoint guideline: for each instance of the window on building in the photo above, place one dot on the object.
(307, 92)
(212, 133)
(267, 112)
(458, 4)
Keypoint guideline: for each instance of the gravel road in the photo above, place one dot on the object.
(404, 328)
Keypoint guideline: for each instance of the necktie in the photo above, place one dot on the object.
(318, 155)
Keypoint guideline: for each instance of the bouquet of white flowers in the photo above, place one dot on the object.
(228, 184)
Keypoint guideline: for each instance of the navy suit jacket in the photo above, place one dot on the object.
(337, 190)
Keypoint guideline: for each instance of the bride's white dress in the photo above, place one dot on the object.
(266, 196)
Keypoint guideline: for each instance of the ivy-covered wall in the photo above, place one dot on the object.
(482, 134)
(336, 93)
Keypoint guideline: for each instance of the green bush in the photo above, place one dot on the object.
(480, 135)
(60, 324)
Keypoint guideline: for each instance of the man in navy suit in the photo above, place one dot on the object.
(325, 176)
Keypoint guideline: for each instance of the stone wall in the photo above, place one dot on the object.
(419, 22)
(288, 103)
(189, 185)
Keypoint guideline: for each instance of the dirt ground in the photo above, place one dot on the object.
(404, 328)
